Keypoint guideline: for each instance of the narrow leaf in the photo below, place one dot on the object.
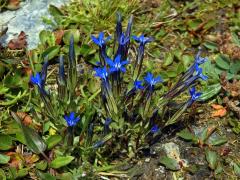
(61, 161)
(34, 142)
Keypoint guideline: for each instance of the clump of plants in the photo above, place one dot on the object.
(92, 118)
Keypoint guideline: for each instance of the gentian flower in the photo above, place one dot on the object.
(44, 71)
(100, 41)
(200, 60)
(39, 81)
(71, 119)
(119, 26)
(142, 40)
(199, 73)
(123, 39)
(36, 79)
(61, 68)
(107, 121)
(98, 144)
(129, 26)
(102, 73)
(72, 60)
(151, 81)
(154, 129)
(194, 95)
(138, 85)
(140, 54)
(117, 65)
(106, 125)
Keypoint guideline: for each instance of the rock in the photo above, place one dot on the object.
(28, 18)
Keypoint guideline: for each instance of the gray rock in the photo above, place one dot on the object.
(28, 18)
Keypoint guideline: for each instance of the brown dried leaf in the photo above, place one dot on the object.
(219, 113)
(216, 106)
(13, 4)
(19, 43)
(26, 119)
(58, 36)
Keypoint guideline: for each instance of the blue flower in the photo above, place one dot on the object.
(142, 40)
(107, 121)
(36, 80)
(98, 144)
(71, 119)
(100, 41)
(117, 65)
(154, 129)
(151, 81)
(101, 72)
(123, 39)
(138, 84)
(199, 73)
(200, 60)
(119, 26)
(106, 125)
(194, 95)
(61, 67)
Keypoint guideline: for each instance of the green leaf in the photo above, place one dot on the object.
(67, 36)
(53, 141)
(61, 161)
(170, 163)
(235, 39)
(54, 11)
(187, 60)
(218, 141)
(168, 60)
(5, 142)
(186, 134)
(22, 173)
(2, 175)
(236, 168)
(211, 45)
(4, 159)
(210, 91)
(211, 157)
(43, 36)
(175, 117)
(42, 165)
(3, 89)
(207, 131)
(235, 67)
(193, 24)
(45, 176)
(235, 124)
(51, 52)
(34, 142)
(222, 61)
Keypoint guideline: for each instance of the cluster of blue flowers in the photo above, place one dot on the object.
(111, 70)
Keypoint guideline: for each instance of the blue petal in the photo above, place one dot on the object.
(158, 79)
(109, 62)
(149, 77)
(101, 36)
(203, 77)
(71, 116)
(123, 69)
(135, 38)
(192, 91)
(95, 40)
(154, 129)
(124, 62)
(108, 38)
(112, 69)
(117, 59)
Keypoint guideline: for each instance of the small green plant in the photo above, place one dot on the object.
(120, 117)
